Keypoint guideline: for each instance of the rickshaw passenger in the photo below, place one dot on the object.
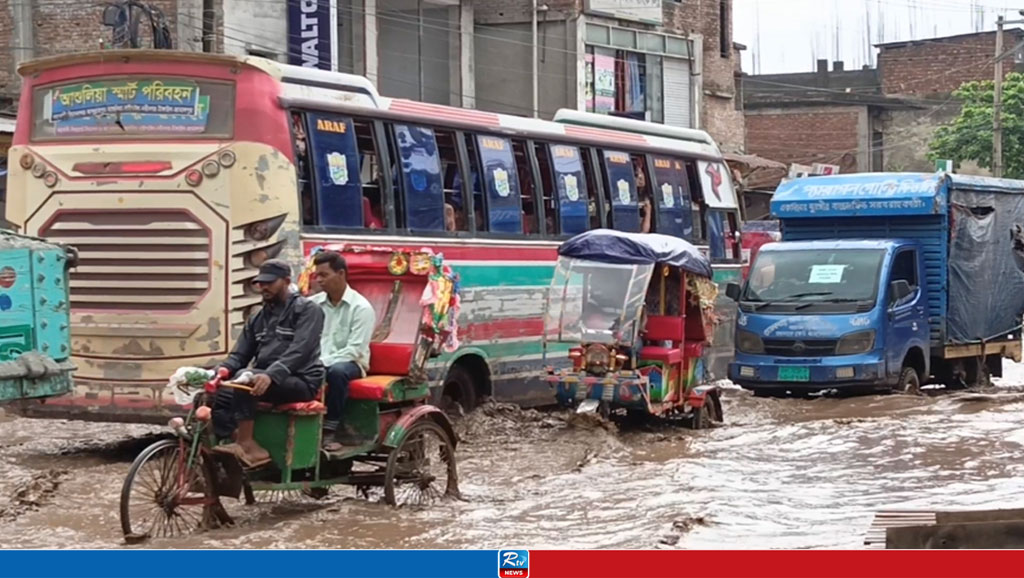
(349, 320)
(282, 342)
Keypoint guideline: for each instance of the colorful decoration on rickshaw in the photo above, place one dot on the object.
(703, 293)
(442, 301)
(306, 277)
(399, 263)
(420, 263)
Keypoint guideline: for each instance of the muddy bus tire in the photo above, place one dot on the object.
(703, 417)
(910, 382)
(459, 387)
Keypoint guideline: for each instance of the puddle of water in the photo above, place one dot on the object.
(782, 473)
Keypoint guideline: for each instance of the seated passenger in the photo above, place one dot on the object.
(349, 320)
(644, 196)
(449, 218)
(370, 215)
(282, 344)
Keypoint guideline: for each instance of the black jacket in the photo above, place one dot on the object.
(282, 340)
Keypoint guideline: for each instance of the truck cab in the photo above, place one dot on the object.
(846, 314)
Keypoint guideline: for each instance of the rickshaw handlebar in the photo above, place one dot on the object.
(218, 381)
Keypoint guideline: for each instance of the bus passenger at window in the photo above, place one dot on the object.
(349, 321)
(371, 212)
(449, 218)
(644, 195)
(302, 169)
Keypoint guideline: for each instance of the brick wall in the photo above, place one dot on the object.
(62, 26)
(824, 136)
(940, 66)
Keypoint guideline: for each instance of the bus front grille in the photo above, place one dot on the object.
(149, 260)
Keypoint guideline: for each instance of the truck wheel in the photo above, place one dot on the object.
(910, 382)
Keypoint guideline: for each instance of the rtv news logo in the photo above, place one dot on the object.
(513, 564)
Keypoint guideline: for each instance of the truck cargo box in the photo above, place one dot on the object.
(964, 224)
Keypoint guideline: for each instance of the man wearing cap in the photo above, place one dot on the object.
(282, 344)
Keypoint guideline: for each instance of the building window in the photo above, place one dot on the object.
(724, 22)
(624, 83)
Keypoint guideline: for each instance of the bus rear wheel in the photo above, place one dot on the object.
(460, 389)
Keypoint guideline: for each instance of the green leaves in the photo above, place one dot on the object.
(969, 136)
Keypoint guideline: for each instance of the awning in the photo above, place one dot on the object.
(6, 124)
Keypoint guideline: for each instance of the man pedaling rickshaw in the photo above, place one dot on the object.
(282, 342)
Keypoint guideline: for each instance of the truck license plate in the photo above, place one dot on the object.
(794, 374)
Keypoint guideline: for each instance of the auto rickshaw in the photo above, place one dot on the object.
(636, 311)
(175, 485)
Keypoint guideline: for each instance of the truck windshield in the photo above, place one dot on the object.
(812, 276)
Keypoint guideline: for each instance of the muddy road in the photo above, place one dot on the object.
(780, 474)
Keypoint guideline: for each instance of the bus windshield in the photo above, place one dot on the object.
(134, 107)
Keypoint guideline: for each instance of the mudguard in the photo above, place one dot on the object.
(398, 430)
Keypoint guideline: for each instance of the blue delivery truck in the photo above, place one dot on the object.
(884, 281)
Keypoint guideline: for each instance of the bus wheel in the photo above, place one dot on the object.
(910, 382)
(458, 388)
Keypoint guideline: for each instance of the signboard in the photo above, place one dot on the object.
(118, 106)
(717, 185)
(637, 10)
(313, 33)
(944, 166)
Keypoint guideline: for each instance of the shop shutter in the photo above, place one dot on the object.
(677, 93)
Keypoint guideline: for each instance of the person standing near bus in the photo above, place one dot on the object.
(349, 320)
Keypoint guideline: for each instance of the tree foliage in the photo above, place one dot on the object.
(969, 136)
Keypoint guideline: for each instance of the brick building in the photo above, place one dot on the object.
(872, 119)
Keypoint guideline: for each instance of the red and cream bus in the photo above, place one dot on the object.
(176, 174)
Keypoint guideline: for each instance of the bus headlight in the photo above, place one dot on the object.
(50, 179)
(26, 161)
(747, 342)
(38, 170)
(854, 343)
(262, 230)
(260, 256)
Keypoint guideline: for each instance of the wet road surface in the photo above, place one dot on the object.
(782, 473)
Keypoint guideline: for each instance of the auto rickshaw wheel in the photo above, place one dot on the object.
(421, 470)
(163, 497)
(703, 416)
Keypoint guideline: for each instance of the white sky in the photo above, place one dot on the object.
(789, 35)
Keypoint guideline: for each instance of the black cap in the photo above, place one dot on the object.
(272, 270)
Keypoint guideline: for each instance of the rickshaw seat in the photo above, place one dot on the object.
(667, 355)
(390, 358)
(373, 387)
(302, 407)
(664, 328)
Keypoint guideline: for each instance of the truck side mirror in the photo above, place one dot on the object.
(898, 291)
(732, 291)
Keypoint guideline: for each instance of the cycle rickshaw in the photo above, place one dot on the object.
(175, 485)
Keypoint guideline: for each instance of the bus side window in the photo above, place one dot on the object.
(621, 184)
(548, 188)
(455, 218)
(479, 203)
(421, 179)
(643, 194)
(370, 174)
(571, 189)
(699, 205)
(717, 221)
(335, 163)
(500, 180)
(304, 174)
(596, 207)
(672, 207)
(528, 192)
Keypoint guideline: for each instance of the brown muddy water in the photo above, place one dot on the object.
(782, 473)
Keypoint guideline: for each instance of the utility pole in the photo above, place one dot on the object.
(997, 100)
(997, 105)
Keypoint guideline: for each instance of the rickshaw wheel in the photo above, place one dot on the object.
(421, 470)
(703, 417)
(156, 486)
